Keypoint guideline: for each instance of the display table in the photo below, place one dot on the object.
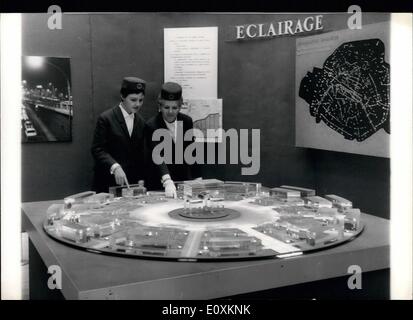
(87, 275)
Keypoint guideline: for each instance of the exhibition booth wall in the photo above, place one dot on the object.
(256, 80)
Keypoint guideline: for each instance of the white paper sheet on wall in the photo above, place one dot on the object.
(191, 59)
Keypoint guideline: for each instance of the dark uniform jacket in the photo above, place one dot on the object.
(178, 172)
(112, 144)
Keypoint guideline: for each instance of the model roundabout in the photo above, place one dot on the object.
(210, 220)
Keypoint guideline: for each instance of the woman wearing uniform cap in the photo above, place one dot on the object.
(118, 143)
(170, 102)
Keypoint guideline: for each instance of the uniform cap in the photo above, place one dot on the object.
(171, 91)
(132, 85)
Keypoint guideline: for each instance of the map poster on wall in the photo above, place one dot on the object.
(206, 114)
(343, 91)
(191, 59)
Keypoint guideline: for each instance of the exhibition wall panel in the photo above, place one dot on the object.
(255, 80)
(55, 169)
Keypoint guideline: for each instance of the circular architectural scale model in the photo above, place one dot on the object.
(210, 220)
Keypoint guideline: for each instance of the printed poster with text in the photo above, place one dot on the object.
(191, 59)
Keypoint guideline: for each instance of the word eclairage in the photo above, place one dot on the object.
(279, 28)
(209, 220)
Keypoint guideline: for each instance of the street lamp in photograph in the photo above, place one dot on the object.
(35, 62)
(52, 99)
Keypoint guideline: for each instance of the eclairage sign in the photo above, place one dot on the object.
(280, 28)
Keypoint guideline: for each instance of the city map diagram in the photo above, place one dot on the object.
(351, 92)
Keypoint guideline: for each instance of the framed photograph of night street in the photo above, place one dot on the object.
(46, 107)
